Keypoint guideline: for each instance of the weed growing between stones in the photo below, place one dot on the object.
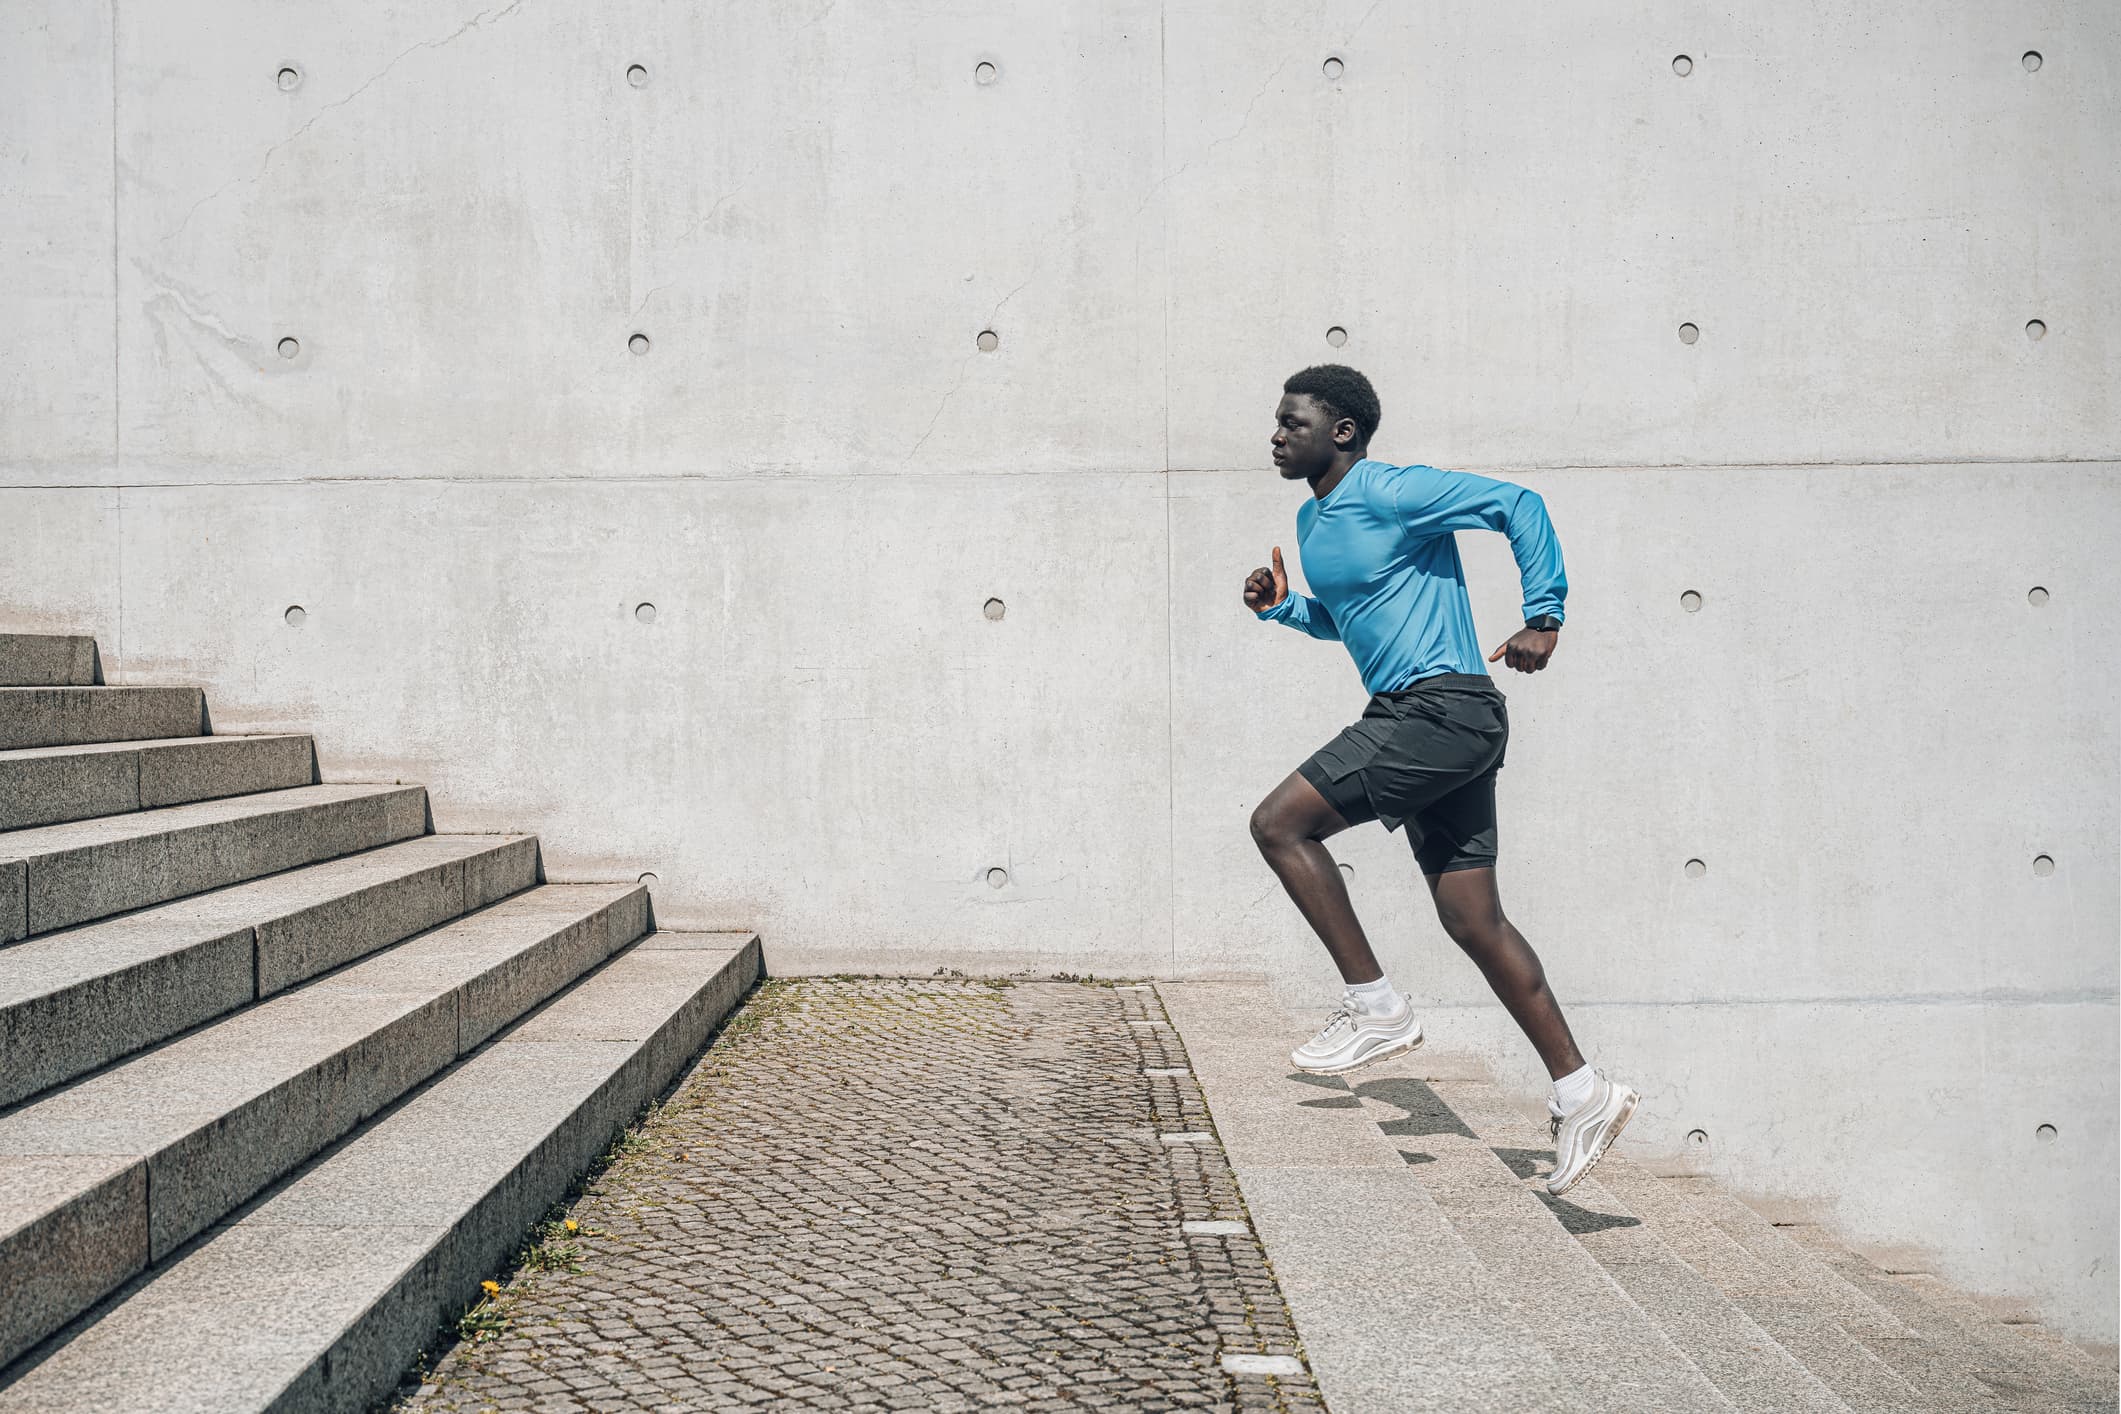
(485, 1318)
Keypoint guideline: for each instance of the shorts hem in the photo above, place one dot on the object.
(1458, 866)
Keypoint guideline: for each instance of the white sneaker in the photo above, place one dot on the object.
(1352, 1038)
(1582, 1136)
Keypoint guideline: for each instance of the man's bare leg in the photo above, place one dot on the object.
(1470, 909)
(1289, 826)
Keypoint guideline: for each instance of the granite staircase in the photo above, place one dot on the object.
(1428, 1269)
(283, 1073)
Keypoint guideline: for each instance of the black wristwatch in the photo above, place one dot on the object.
(1545, 623)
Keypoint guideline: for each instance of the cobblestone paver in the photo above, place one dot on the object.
(877, 1194)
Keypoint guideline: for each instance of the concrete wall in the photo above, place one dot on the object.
(1866, 732)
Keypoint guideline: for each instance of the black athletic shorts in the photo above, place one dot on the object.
(1426, 757)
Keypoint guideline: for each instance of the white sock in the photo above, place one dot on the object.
(1376, 998)
(1572, 1092)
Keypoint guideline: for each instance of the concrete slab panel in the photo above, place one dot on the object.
(1035, 222)
(1539, 213)
(59, 569)
(58, 223)
(1814, 793)
(896, 743)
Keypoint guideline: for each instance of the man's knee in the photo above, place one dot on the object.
(1472, 925)
(1268, 829)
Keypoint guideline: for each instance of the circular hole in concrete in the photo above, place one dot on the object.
(997, 877)
(644, 613)
(984, 72)
(2043, 865)
(638, 343)
(1697, 1138)
(1688, 333)
(1682, 65)
(2036, 329)
(1336, 336)
(289, 348)
(295, 616)
(648, 879)
(2031, 60)
(1695, 868)
(988, 341)
(1690, 601)
(1334, 67)
(637, 75)
(994, 609)
(2047, 1134)
(289, 78)
(2036, 596)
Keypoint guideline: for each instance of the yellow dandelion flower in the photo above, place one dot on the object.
(493, 1288)
(572, 1226)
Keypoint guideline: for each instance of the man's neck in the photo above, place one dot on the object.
(1323, 486)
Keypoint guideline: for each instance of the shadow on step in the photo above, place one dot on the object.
(1526, 1163)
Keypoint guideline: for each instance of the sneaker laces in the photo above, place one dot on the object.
(1343, 1016)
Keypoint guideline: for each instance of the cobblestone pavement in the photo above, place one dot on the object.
(877, 1194)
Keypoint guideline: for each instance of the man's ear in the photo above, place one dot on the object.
(1345, 432)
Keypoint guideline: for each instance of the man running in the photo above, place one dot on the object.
(1376, 546)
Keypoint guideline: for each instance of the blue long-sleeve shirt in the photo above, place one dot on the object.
(1377, 550)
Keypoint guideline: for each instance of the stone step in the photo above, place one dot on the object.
(49, 785)
(1746, 1363)
(1941, 1374)
(112, 1174)
(66, 874)
(321, 1296)
(82, 997)
(1821, 1322)
(1611, 1350)
(76, 716)
(2015, 1373)
(47, 660)
(1396, 1313)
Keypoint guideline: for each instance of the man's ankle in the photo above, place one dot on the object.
(1377, 998)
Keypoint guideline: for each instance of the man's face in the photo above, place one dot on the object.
(1303, 437)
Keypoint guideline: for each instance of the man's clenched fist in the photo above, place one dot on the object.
(1264, 588)
(1527, 649)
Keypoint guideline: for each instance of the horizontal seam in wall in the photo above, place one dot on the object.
(777, 477)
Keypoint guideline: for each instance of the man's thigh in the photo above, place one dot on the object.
(1457, 830)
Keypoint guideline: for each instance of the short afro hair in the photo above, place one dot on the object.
(1344, 393)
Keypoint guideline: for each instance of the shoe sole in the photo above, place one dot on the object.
(1397, 1048)
(1620, 1122)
